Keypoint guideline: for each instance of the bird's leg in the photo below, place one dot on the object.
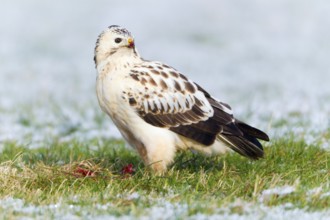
(141, 149)
(158, 167)
(160, 156)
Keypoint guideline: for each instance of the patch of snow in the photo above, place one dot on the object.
(132, 196)
(166, 210)
(325, 144)
(315, 192)
(282, 191)
(324, 195)
(284, 212)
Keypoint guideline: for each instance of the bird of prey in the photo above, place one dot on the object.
(159, 111)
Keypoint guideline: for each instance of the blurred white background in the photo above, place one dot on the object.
(268, 59)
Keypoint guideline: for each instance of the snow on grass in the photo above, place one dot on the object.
(277, 192)
(160, 209)
(327, 194)
(265, 212)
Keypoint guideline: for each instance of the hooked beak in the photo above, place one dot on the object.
(130, 42)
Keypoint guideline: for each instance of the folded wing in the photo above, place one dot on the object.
(163, 97)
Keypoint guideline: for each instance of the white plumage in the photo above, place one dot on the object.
(158, 110)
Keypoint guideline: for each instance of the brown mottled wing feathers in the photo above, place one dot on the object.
(168, 99)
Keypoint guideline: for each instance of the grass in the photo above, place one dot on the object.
(89, 175)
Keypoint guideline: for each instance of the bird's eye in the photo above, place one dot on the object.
(118, 40)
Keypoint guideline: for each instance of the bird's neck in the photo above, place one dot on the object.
(117, 61)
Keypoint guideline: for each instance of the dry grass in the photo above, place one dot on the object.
(74, 173)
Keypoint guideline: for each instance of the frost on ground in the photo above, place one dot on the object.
(161, 209)
(277, 192)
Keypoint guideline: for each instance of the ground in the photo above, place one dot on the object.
(61, 157)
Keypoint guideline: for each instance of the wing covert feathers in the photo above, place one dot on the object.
(164, 97)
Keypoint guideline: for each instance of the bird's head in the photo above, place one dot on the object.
(115, 40)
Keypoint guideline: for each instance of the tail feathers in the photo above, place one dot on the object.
(246, 144)
(251, 131)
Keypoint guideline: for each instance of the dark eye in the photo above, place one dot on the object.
(118, 40)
